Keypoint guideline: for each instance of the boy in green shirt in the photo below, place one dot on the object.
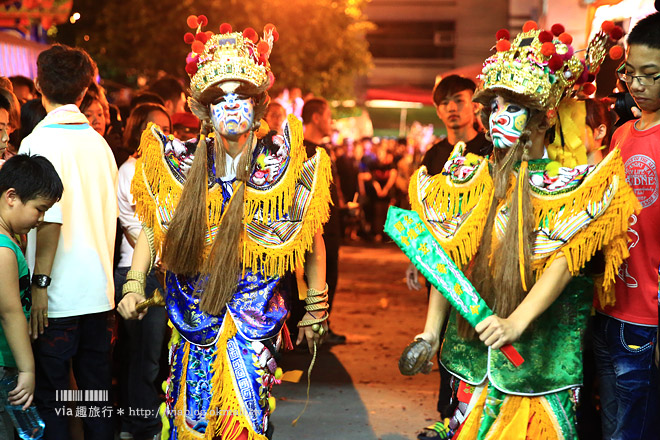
(29, 185)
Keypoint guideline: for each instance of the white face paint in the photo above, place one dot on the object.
(507, 122)
(232, 114)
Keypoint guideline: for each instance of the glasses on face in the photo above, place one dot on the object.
(644, 80)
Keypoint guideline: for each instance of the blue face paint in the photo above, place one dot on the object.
(232, 115)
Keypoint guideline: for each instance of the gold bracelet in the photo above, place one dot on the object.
(132, 286)
(136, 275)
(314, 292)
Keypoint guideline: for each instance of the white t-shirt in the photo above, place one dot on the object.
(82, 280)
(127, 218)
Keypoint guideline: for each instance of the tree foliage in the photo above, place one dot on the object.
(322, 47)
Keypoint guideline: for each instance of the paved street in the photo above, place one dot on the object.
(357, 391)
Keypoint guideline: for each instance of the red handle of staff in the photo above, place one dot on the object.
(512, 354)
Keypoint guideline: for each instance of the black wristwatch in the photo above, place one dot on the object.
(41, 280)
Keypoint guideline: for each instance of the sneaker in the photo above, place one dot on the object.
(333, 338)
(125, 436)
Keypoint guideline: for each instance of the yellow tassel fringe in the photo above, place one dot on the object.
(155, 190)
(224, 397)
(445, 196)
(608, 232)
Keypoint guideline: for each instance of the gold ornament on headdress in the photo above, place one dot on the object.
(541, 66)
(229, 56)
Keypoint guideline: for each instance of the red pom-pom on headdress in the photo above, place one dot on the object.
(202, 36)
(225, 28)
(502, 34)
(191, 68)
(202, 20)
(263, 47)
(616, 33)
(588, 89)
(269, 27)
(530, 26)
(276, 35)
(555, 63)
(503, 45)
(545, 37)
(616, 52)
(197, 46)
(251, 34)
(607, 26)
(565, 38)
(548, 49)
(557, 29)
(192, 22)
(188, 38)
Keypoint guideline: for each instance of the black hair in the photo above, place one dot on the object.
(31, 177)
(646, 32)
(168, 88)
(64, 73)
(4, 103)
(144, 98)
(32, 112)
(312, 107)
(451, 85)
(20, 80)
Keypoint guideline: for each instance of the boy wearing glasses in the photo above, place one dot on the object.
(625, 334)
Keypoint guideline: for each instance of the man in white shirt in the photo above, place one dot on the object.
(70, 253)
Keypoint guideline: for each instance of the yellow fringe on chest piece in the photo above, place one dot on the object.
(607, 232)
(156, 193)
(443, 196)
(226, 418)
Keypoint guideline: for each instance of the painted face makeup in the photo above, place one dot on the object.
(507, 122)
(232, 114)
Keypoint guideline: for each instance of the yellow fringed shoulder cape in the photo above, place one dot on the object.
(279, 222)
(455, 210)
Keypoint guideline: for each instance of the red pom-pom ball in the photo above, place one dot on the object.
(555, 63)
(202, 37)
(616, 33)
(276, 35)
(188, 38)
(588, 89)
(202, 20)
(263, 47)
(502, 34)
(503, 45)
(565, 38)
(269, 27)
(225, 28)
(209, 33)
(271, 79)
(251, 34)
(530, 26)
(545, 37)
(616, 52)
(548, 49)
(191, 21)
(607, 26)
(197, 46)
(557, 29)
(191, 68)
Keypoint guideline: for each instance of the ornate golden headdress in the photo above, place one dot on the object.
(541, 66)
(228, 56)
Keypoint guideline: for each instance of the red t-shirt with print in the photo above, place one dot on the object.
(637, 280)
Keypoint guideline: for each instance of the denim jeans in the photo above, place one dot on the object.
(138, 349)
(628, 379)
(83, 342)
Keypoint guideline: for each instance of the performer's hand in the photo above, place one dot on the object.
(39, 312)
(496, 332)
(412, 278)
(310, 335)
(432, 339)
(126, 307)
